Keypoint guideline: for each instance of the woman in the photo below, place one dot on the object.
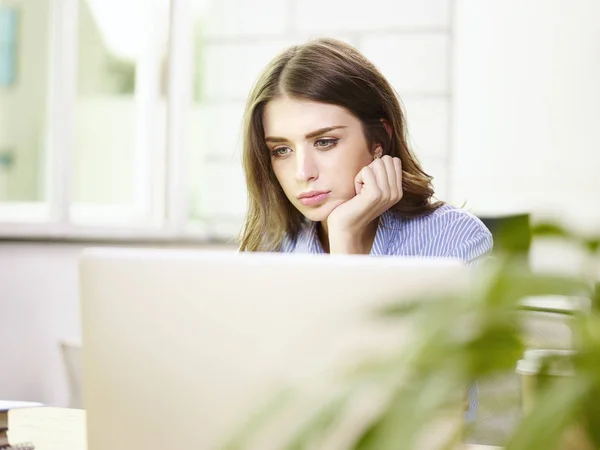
(328, 166)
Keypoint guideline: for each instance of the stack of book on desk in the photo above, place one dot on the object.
(5, 408)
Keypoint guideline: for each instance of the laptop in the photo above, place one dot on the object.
(182, 348)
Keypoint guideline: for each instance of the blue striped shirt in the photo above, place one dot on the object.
(448, 232)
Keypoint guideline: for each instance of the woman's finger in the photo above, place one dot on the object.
(398, 171)
(381, 177)
(365, 183)
(388, 163)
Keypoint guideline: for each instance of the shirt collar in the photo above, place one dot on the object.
(308, 238)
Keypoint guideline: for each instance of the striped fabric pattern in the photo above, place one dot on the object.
(447, 232)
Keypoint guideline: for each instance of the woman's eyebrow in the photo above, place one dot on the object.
(320, 131)
(312, 134)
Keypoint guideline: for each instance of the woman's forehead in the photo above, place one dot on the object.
(286, 116)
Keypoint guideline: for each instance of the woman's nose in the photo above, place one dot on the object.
(306, 166)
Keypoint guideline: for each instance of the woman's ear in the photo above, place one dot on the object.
(388, 127)
(378, 151)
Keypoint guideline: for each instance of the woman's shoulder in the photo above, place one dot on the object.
(461, 233)
(447, 231)
(447, 215)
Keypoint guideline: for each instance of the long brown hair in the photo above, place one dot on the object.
(327, 71)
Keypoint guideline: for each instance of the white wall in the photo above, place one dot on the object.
(526, 107)
(38, 306)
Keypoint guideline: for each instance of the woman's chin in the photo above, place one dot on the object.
(315, 217)
(319, 213)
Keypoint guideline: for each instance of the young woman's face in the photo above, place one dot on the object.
(317, 149)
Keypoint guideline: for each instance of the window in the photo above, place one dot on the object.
(88, 99)
(120, 112)
(110, 137)
(24, 70)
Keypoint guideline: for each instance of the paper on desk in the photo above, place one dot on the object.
(49, 428)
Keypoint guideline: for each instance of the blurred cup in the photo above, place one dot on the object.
(540, 368)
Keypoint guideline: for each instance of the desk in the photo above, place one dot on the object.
(48, 428)
(64, 429)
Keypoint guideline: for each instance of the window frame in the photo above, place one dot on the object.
(160, 211)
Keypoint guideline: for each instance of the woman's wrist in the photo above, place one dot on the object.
(348, 242)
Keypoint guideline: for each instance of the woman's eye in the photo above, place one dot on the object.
(280, 151)
(325, 143)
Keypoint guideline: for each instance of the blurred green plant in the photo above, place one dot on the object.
(465, 338)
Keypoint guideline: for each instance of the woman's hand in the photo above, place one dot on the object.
(378, 187)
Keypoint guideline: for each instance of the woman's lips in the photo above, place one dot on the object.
(313, 198)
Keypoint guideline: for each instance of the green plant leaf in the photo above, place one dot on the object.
(317, 426)
(554, 410)
(259, 419)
